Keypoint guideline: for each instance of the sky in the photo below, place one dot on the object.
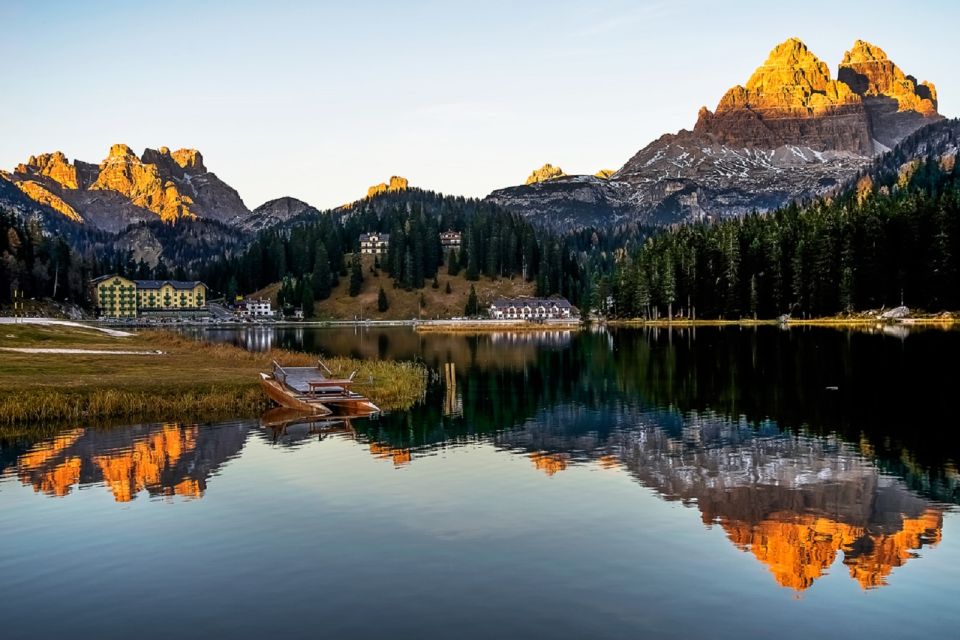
(319, 100)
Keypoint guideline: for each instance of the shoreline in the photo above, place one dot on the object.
(811, 322)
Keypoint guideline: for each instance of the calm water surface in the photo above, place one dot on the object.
(719, 483)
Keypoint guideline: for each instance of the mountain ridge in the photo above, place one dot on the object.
(792, 132)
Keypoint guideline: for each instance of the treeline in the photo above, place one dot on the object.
(37, 265)
(896, 241)
(310, 257)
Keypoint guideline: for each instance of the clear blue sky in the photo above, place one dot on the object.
(320, 100)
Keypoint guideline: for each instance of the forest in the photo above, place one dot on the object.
(35, 265)
(894, 241)
(310, 256)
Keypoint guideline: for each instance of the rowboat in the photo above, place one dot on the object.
(308, 390)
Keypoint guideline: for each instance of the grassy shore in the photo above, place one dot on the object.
(187, 378)
(833, 321)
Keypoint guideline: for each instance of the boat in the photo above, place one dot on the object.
(308, 390)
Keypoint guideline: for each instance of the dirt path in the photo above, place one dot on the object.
(116, 333)
(93, 352)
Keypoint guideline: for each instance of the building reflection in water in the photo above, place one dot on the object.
(257, 339)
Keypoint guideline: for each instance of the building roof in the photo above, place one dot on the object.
(176, 284)
(100, 279)
(384, 237)
(560, 303)
(150, 284)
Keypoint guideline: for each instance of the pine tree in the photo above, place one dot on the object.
(231, 292)
(473, 306)
(356, 275)
(453, 263)
(321, 273)
(382, 303)
(306, 297)
(448, 289)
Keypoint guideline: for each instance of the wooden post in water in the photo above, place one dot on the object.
(450, 392)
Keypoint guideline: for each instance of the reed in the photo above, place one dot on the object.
(44, 405)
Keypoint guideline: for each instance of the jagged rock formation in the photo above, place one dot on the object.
(397, 183)
(125, 189)
(896, 104)
(790, 100)
(792, 132)
(544, 173)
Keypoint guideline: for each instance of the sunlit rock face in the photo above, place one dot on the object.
(54, 166)
(397, 183)
(125, 188)
(162, 460)
(544, 173)
(42, 195)
(790, 100)
(791, 132)
(124, 173)
(895, 102)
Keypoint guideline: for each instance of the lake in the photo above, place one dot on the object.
(720, 483)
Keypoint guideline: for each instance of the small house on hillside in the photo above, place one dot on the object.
(374, 243)
(450, 239)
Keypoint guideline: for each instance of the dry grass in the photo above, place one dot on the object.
(190, 378)
(404, 305)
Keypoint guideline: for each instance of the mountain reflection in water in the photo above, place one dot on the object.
(793, 502)
(164, 460)
(740, 426)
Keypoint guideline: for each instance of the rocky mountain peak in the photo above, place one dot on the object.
(790, 132)
(397, 183)
(896, 104)
(792, 80)
(124, 188)
(869, 72)
(122, 153)
(189, 159)
(52, 165)
(544, 173)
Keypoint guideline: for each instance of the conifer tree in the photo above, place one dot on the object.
(473, 306)
(356, 275)
(321, 273)
(306, 297)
